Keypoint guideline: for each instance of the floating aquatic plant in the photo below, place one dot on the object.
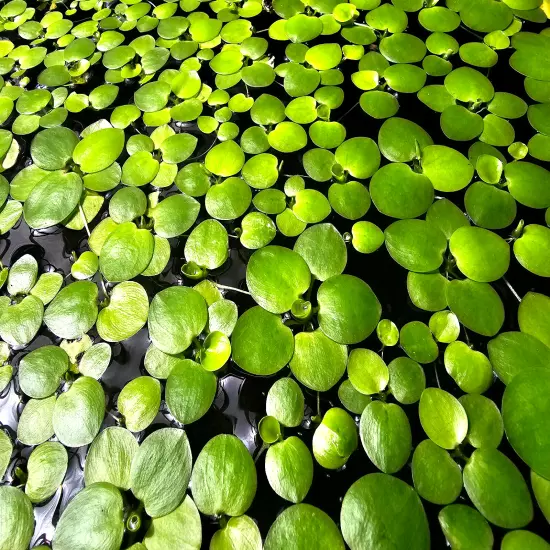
(333, 160)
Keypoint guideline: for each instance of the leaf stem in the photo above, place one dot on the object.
(232, 288)
(512, 290)
(84, 219)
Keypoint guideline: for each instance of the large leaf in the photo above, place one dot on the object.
(176, 316)
(93, 520)
(289, 469)
(161, 470)
(527, 427)
(125, 314)
(224, 477)
(110, 457)
(348, 309)
(261, 343)
(508, 502)
(78, 413)
(318, 362)
(276, 277)
(178, 529)
(17, 519)
(383, 512)
(126, 252)
(46, 469)
(99, 150)
(303, 527)
(52, 199)
(386, 435)
(73, 311)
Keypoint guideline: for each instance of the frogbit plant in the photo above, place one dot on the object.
(274, 274)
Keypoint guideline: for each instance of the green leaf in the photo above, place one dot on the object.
(485, 427)
(35, 423)
(436, 476)
(528, 183)
(73, 311)
(177, 148)
(376, 501)
(18, 519)
(534, 316)
(78, 413)
(225, 159)
(351, 200)
(417, 341)
(46, 469)
(471, 370)
(190, 391)
(359, 157)
(465, 527)
(531, 249)
(224, 477)
(526, 427)
(323, 249)
(22, 275)
(110, 457)
(318, 362)
(99, 150)
(508, 504)
(222, 316)
(139, 402)
(289, 469)
(207, 245)
(488, 206)
(125, 314)
(416, 245)
(303, 526)
(348, 309)
(354, 401)
(241, 532)
(386, 436)
(399, 192)
(541, 489)
(92, 519)
(20, 323)
(41, 371)
(447, 169)
(52, 200)
(174, 215)
(161, 470)
(276, 277)
(407, 380)
(403, 47)
(261, 343)
(176, 316)
(366, 237)
(47, 286)
(367, 371)
(335, 439)
(515, 540)
(180, 527)
(514, 352)
(6, 449)
(53, 148)
(126, 252)
(443, 418)
(285, 402)
(477, 306)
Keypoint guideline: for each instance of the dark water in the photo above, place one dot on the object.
(240, 401)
